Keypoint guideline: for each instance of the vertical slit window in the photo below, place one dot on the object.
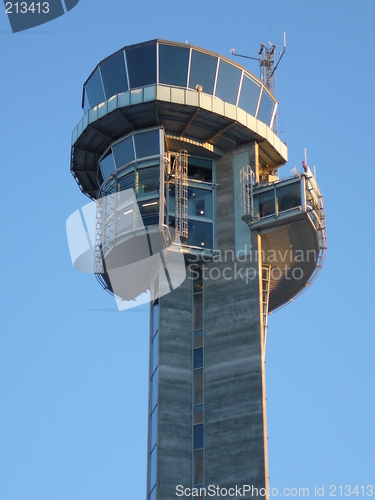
(198, 436)
(198, 387)
(198, 312)
(154, 389)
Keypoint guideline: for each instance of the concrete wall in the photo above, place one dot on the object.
(234, 397)
(174, 464)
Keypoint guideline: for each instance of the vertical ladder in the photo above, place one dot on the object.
(181, 201)
(98, 264)
(247, 198)
(266, 274)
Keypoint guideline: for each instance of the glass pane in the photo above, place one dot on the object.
(126, 182)
(150, 212)
(199, 170)
(264, 204)
(153, 494)
(125, 221)
(200, 234)
(198, 467)
(197, 276)
(198, 312)
(228, 82)
(249, 95)
(153, 468)
(200, 203)
(114, 75)
(172, 199)
(266, 107)
(155, 318)
(154, 389)
(86, 103)
(202, 71)
(155, 352)
(141, 63)
(198, 338)
(198, 387)
(148, 182)
(154, 428)
(107, 165)
(198, 414)
(198, 436)
(173, 65)
(123, 152)
(198, 358)
(94, 89)
(147, 144)
(288, 196)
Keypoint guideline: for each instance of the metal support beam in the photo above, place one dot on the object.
(213, 137)
(191, 119)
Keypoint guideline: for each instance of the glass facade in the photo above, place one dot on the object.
(198, 378)
(186, 67)
(277, 199)
(153, 409)
(200, 203)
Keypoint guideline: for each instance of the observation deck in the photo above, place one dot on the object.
(289, 215)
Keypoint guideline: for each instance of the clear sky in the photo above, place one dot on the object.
(73, 371)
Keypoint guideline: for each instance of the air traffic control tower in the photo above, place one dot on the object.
(191, 132)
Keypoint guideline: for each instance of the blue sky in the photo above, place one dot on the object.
(73, 371)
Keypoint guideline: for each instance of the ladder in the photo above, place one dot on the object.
(181, 200)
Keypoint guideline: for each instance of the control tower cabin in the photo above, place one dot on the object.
(191, 132)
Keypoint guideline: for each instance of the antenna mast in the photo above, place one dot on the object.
(267, 67)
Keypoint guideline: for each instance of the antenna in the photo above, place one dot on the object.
(267, 67)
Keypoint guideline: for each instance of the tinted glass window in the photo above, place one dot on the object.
(149, 212)
(147, 144)
(107, 165)
(114, 76)
(154, 390)
(173, 65)
(202, 71)
(94, 89)
(249, 95)
(266, 108)
(200, 234)
(198, 436)
(141, 63)
(198, 467)
(198, 312)
(123, 152)
(264, 204)
(198, 358)
(155, 352)
(198, 387)
(154, 427)
(199, 170)
(228, 82)
(86, 103)
(126, 182)
(153, 468)
(200, 203)
(198, 338)
(288, 196)
(198, 414)
(172, 200)
(148, 180)
(155, 318)
(197, 276)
